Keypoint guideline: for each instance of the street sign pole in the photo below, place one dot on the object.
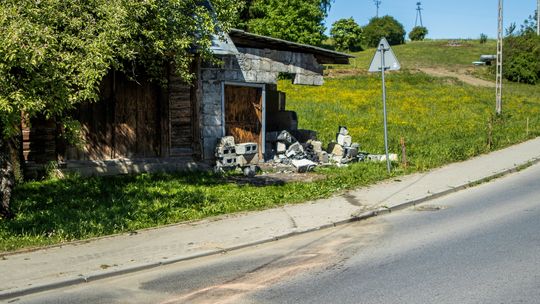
(382, 49)
(387, 62)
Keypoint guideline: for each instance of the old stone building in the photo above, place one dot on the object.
(139, 126)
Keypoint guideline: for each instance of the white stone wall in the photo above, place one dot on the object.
(252, 66)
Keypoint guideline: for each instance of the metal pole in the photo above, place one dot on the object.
(498, 85)
(538, 17)
(383, 69)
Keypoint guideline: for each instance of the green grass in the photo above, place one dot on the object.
(430, 53)
(441, 119)
(60, 210)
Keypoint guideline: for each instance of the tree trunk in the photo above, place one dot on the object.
(7, 177)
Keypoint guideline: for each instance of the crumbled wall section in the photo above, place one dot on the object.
(252, 66)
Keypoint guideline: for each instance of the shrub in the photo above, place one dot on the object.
(522, 58)
(385, 26)
(347, 35)
(418, 33)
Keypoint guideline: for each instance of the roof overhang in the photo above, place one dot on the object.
(323, 56)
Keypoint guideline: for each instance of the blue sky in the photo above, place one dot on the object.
(444, 19)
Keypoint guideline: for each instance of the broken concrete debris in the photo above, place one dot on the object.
(303, 165)
(382, 157)
(297, 148)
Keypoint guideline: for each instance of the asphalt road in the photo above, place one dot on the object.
(481, 245)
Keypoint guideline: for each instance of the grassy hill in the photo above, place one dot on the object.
(442, 119)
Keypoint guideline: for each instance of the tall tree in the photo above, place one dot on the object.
(54, 53)
(347, 35)
(295, 20)
(386, 26)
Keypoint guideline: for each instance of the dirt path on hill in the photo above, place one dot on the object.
(440, 72)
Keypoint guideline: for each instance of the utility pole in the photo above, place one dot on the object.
(498, 85)
(419, 14)
(538, 17)
(377, 4)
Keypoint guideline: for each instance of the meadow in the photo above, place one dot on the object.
(442, 120)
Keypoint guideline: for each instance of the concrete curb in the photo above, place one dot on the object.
(353, 218)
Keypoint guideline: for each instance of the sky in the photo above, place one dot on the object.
(449, 19)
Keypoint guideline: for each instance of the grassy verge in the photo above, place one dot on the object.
(55, 211)
(441, 120)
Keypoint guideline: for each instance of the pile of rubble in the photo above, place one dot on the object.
(306, 152)
(297, 148)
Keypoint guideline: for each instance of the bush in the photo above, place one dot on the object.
(385, 26)
(347, 35)
(418, 33)
(522, 58)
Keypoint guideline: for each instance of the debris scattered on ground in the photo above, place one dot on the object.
(298, 149)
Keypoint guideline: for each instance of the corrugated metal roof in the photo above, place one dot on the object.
(325, 56)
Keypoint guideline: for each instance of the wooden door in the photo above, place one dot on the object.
(244, 114)
(136, 119)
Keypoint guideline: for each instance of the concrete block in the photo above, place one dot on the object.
(247, 148)
(256, 64)
(250, 76)
(290, 153)
(286, 57)
(212, 108)
(281, 147)
(318, 80)
(229, 161)
(382, 157)
(337, 158)
(231, 75)
(317, 145)
(351, 152)
(265, 65)
(226, 141)
(267, 77)
(225, 151)
(335, 149)
(286, 137)
(211, 88)
(303, 165)
(247, 159)
(323, 157)
(344, 140)
(296, 148)
(392, 156)
(374, 157)
(250, 171)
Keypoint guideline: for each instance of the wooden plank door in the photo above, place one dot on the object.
(244, 114)
(136, 119)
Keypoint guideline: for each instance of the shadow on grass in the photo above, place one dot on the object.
(82, 207)
(75, 208)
